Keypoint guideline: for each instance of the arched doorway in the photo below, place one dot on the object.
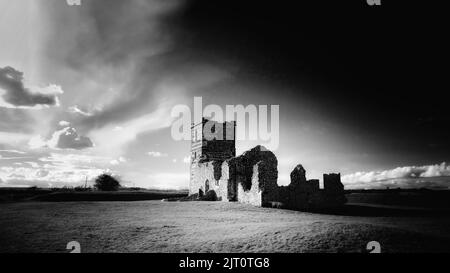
(206, 185)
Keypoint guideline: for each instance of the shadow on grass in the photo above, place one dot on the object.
(383, 211)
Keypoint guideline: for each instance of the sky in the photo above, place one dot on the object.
(89, 89)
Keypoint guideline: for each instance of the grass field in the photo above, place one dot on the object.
(71, 195)
(155, 226)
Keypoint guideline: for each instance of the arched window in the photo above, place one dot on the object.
(206, 185)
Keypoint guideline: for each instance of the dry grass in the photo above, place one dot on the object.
(154, 226)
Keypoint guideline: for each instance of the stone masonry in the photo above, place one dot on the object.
(251, 178)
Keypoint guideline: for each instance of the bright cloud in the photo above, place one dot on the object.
(401, 176)
(157, 154)
(118, 161)
(74, 159)
(12, 138)
(64, 123)
(12, 155)
(12, 151)
(55, 170)
(109, 136)
(76, 110)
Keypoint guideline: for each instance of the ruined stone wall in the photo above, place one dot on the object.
(223, 181)
(252, 179)
(298, 193)
(268, 176)
(208, 172)
(333, 190)
(302, 194)
(252, 196)
(332, 183)
(256, 176)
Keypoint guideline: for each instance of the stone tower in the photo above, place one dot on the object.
(212, 141)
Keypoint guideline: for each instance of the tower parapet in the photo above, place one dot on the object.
(212, 141)
(332, 183)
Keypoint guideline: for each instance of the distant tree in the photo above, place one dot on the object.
(106, 182)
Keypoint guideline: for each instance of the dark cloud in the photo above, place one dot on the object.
(42, 173)
(66, 138)
(129, 43)
(16, 95)
(363, 68)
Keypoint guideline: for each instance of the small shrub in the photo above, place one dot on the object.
(106, 182)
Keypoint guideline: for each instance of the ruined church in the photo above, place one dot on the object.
(251, 178)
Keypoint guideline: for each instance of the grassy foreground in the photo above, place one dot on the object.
(155, 226)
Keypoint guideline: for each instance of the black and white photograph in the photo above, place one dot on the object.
(224, 126)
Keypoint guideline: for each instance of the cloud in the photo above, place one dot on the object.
(12, 155)
(118, 161)
(131, 69)
(66, 138)
(14, 94)
(42, 173)
(158, 119)
(187, 159)
(55, 170)
(13, 138)
(128, 80)
(157, 154)
(76, 110)
(13, 151)
(65, 160)
(437, 175)
(13, 158)
(122, 90)
(32, 164)
(64, 123)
